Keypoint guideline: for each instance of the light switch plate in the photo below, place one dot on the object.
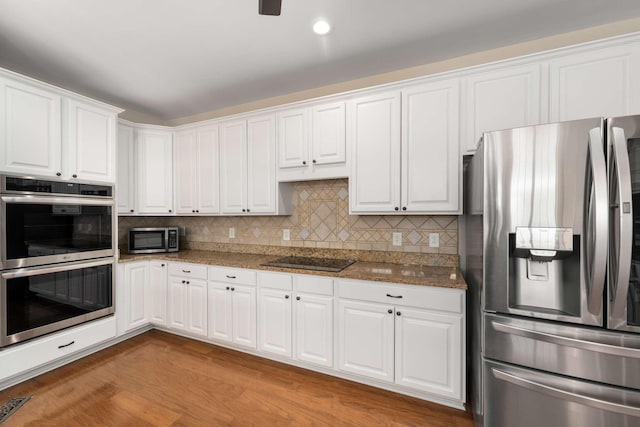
(434, 240)
(286, 234)
(232, 233)
(397, 239)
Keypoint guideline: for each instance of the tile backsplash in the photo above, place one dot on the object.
(320, 219)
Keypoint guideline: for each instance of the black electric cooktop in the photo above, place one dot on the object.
(308, 263)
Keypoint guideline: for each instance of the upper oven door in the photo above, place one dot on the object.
(38, 230)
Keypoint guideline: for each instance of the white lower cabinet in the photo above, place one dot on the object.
(275, 321)
(158, 292)
(417, 344)
(132, 292)
(314, 329)
(187, 299)
(232, 306)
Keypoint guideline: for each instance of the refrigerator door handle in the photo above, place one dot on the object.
(618, 312)
(598, 227)
(562, 340)
(555, 391)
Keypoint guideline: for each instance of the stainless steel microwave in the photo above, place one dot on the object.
(153, 239)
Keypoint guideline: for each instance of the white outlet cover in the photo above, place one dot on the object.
(232, 233)
(397, 239)
(286, 234)
(434, 240)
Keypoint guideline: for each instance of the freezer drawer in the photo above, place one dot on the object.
(527, 398)
(582, 352)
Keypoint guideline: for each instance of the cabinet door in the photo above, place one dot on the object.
(374, 135)
(158, 292)
(186, 171)
(233, 167)
(293, 138)
(501, 99)
(30, 138)
(197, 307)
(137, 277)
(314, 329)
(219, 311)
(365, 339)
(244, 315)
(125, 184)
(600, 83)
(177, 303)
(430, 157)
(208, 166)
(429, 352)
(155, 172)
(328, 141)
(261, 164)
(275, 321)
(90, 142)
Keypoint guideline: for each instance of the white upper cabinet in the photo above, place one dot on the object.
(312, 143)
(30, 134)
(126, 182)
(374, 133)
(431, 162)
(501, 99)
(197, 166)
(233, 167)
(600, 83)
(90, 142)
(154, 159)
(261, 164)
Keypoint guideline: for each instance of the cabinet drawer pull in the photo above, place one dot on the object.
(394, 296)
(230, 277)
(66, 345)
(186, 271)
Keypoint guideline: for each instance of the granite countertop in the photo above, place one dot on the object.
(424, 275)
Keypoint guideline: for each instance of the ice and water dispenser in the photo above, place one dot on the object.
(544, 270)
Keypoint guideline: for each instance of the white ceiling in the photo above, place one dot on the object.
(175, 58)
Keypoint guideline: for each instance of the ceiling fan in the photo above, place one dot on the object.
(270, 7)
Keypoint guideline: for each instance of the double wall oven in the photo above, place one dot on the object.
(57, 255)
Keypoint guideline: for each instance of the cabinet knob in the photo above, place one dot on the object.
(304, 162)
(161, 265)
(74, 175)
(404, 208)
(197, 211)
(184, 281)
(248, 210)
(397, 208)
(297, 298)
(193, 211)
(314, 161)
(58, 174)
(398, 313)
(131, 210)
(233, 289)
(244, 210)
(188, 282)
(169, 210)
(228, 288)
(286, 297)
(389, 311)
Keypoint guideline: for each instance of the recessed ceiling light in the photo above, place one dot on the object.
(321, 27)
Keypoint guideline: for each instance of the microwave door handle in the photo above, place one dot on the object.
(618, 312)
(598, 227)
(555, 391)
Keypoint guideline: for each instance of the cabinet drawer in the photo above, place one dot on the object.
(314, 285)
(232, 275)
(428, 297)
(275, 281)
(23, 357)
(188, 270)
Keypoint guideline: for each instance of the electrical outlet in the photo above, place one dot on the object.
(232, 233)
(286, 234)
(397, 239)
(182, 230)
(434, 240)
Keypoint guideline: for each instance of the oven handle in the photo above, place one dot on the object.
(68, 266)
(556, 392)
(56, 200)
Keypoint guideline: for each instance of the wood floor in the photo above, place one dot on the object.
(159, 379)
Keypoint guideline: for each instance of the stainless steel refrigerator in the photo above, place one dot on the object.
(552, 216)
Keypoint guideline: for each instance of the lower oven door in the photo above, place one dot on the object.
(527, 398)
(38, 300)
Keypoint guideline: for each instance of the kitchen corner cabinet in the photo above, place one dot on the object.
(504, 98)
(197, 171)
(187, 298)
(405, 151)
(411, 336)
(248, 167)
(158, 292)
(125, 180)
(45, 134)
(599, 83)
(132, 310)
(312, 142)
(232, 306)
(154, 161)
